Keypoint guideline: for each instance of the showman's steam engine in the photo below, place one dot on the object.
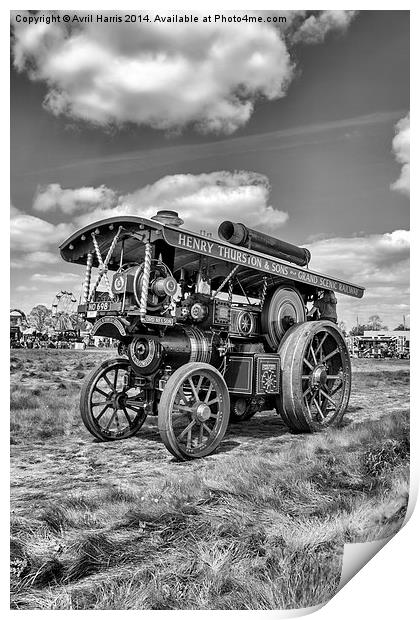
(209, 330)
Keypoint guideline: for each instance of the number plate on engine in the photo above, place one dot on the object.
(158, 320)
(99, 306)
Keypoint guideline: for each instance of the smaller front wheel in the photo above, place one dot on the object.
(194, 411)
(110, 408)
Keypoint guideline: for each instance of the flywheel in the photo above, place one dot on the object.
(283, 308)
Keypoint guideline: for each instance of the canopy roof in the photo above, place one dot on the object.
(192, 250)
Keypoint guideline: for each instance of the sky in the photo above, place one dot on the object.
(299, 129)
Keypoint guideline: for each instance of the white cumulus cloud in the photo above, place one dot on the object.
(401, 149)
(34, 258)
(32, 234)
(314, 28)
(202, 200)
(23, 288)
(379, 262)
(53, 197)
(164, 75)
(57, 278)
(361, 254)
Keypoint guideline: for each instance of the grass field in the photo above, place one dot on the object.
(258, 525)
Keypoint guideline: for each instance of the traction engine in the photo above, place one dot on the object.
(208, 331)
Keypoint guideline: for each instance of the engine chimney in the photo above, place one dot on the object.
(168, 217)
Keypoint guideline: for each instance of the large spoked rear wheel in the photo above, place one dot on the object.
(194, 411)
(316, 376)
(110, 409)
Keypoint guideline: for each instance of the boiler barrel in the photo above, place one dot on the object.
(239, 234)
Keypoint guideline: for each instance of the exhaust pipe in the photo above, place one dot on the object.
(239, 234)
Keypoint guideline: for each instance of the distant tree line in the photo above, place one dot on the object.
(374, 324)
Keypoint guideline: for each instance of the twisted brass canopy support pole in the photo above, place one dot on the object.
(228, 277)
(88, 274)
(145, 279)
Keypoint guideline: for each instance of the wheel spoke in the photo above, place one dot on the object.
(319, 347)
(187, 429)
(306, 391)
(333, 376)
(211, 402)
(136, 407)
(200, 381)
(200, 435)
(133, 401)
(100, 402)
(189, 439)
(209, 391)
(328, 397)
(102, 412)
(136, 410)
(110, 420)
(115, 379)
(309, 404)
(183, 396)
(336, 388)
(313, 354)
(109, 383)
(327, 357)
(305, 361)
(126, 415)
(319, 408)
(184, 408)
(194, 391)
(207, 428)
(96, 389)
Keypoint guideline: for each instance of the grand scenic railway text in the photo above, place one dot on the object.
(242, 257)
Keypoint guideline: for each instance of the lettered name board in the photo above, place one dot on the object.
(260, 262)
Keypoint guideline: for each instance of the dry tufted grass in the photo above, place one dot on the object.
(258, 525)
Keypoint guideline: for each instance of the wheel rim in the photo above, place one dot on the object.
(115, 407)
(325, 377)
(197, 413)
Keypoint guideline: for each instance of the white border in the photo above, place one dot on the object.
(387, 586)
